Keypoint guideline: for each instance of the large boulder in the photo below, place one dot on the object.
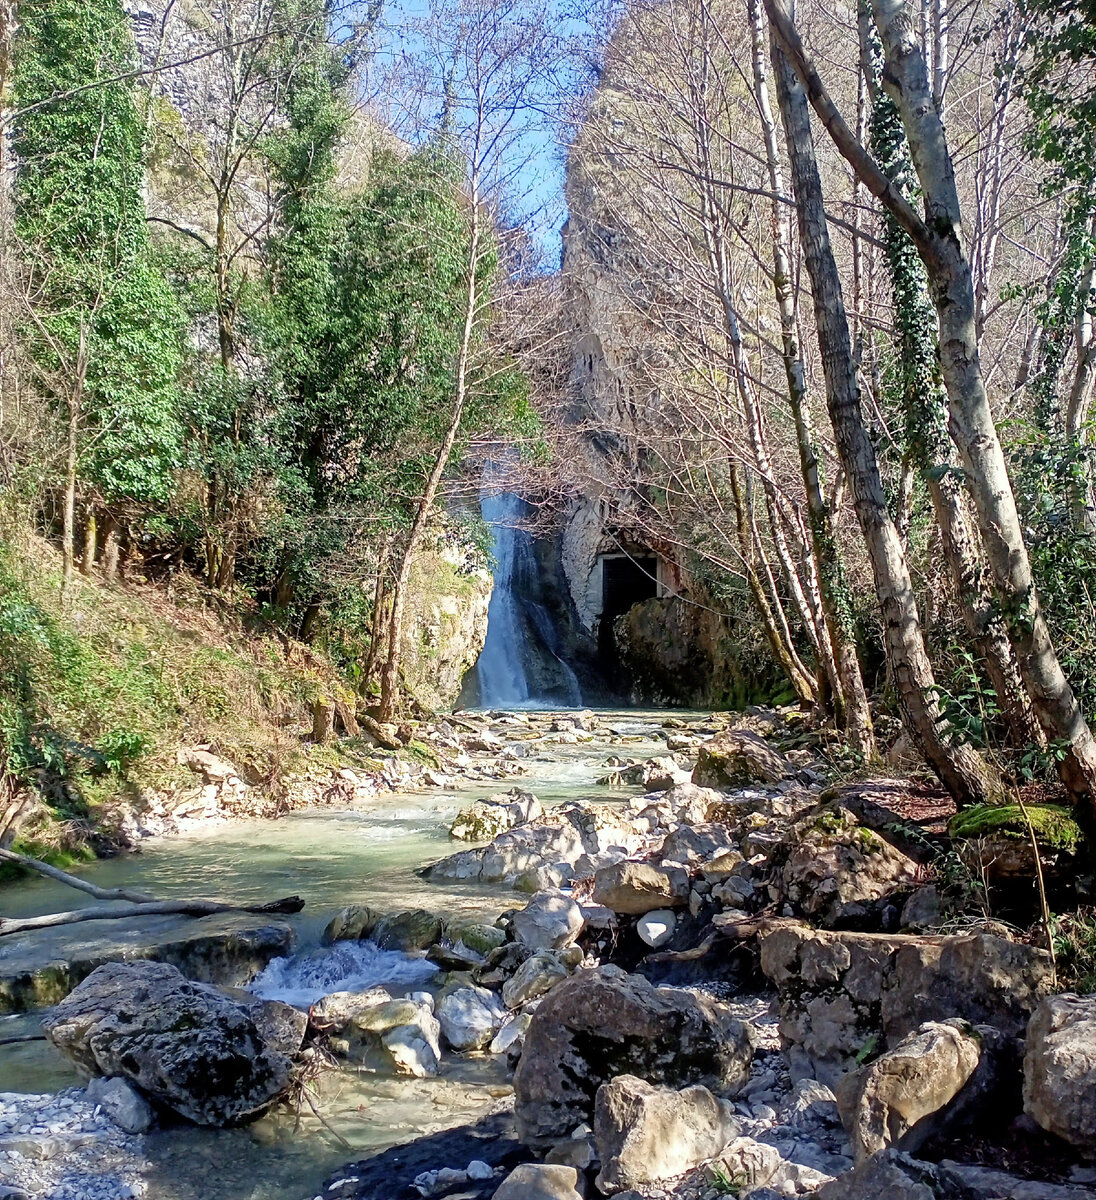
(600, 1024)
(840, 992)
(548, 922)
(486, 819)
(553, 844)
(187, 1045)
(646, 1134)
(738, 758)
(836, 868)
(1060, 1069)
(907, 1094)
(637, 888)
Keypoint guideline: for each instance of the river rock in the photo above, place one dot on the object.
(738, 758)
(335, 1011)
(749, 1163)
(836, 868)
(546, 848)
(486, 819)
(512, 1032)
(535, 977)
(541, 1181)
(638, 888)
(126, 1107)
(350, 924)
(656, 928)
(840, 992)
(404, 1030)
(904, 1096)
(603, 1023)
(469, 1016)
(415, 1048)
(656, 774)
(415, 929)
(647, 1134)
(187, 1045)
(548, 922)
(698, 844)
(228, 949)
(1060, 1069)
(893, 1175)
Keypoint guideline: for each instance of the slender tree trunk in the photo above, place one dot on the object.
(958, 767)
(829, 563)
(929, 452)
(971, 423)
(91, 540)
(390, 674)
(68, 530)
(780, 649)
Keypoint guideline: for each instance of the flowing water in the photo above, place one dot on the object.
(365, 856)
(520, 630)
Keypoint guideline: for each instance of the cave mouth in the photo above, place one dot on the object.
(626, 580)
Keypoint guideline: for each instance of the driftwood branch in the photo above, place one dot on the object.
(32, 864)
(186, 908)
(139, 904)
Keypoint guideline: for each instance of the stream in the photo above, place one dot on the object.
(331, 858)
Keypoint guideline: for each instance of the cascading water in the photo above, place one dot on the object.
(520, 631)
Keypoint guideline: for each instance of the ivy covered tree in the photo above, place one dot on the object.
(103, 323)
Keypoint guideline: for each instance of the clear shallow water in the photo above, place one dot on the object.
(365, 856)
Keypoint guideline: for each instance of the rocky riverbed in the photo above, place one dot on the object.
(703, 976)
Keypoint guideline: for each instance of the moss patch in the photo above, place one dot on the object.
(1054, 824)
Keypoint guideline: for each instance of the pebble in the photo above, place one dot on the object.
(62, 1147)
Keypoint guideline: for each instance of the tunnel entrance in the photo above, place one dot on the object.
(626, 580)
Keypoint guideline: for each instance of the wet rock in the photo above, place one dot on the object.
(546, 848)
(486, 819)
(185, 1044)
(415, 929)
(600, 1024)
(541, 1181)
(647, 1134)
(469, 1016)
(229, 950)
(127, 1108)
(475, 936)
(836, 868)
(840, 992)
(1060, 1069)
(334, 1012)
(909, 1093)
(637, 888)
(738, 758)
(534, 978)
(656, 928)
(548, 922)
(350, 924)
(414, 1048)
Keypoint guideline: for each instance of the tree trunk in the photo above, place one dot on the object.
(928, 448)
(829, 563)
(958, 767)
(799, 680)
(970, 419)
(68, 530)
(390, 673)
(91, 540)
(110, 548)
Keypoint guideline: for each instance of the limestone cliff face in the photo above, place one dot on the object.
(446, 622)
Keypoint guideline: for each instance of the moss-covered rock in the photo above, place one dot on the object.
(1054, 825)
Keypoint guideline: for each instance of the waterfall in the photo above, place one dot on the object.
(520, 665)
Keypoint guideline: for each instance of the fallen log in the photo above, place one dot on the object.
(185, 908)
(81, 885)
